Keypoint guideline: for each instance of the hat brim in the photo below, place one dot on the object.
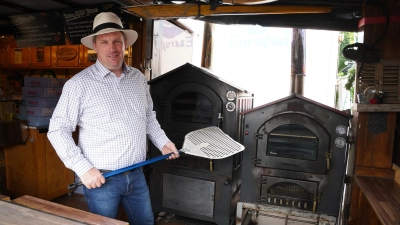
(131, 37)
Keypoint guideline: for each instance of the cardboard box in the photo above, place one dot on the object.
(21, 116)
(41, 102)
(38, 121)
(36, 111)
(44, 82)
(41, 92)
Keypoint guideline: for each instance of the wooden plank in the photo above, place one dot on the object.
(35, 169)
(11, 213)
(377, 107)
(375, 172)
(57, 175)
(4, 198)
(374, 149)
(65, 211)
(192, 10)
(247, 2)
(22, 175)
(383, 196)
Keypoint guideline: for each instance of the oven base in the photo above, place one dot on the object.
(249, 213)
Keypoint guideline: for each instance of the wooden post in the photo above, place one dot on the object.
(206, 53)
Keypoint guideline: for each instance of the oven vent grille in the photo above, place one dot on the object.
(287, 194)
(288, 189)
(283, 201)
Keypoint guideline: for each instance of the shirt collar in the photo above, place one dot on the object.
(103, 71)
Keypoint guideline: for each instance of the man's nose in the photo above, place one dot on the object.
(111, 47)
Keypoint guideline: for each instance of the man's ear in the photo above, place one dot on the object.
(94, 47)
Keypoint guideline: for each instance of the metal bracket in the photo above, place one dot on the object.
(261, 181)
(258, 136)
(256, 161)
(328, 160)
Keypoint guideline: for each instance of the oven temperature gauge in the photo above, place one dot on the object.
(230, 106)
(341, 130)
(340, 142)
(230, 95)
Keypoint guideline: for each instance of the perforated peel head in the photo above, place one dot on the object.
(210, 142)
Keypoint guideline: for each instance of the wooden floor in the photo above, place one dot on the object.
(78, 201)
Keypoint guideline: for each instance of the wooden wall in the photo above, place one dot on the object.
(376, 152)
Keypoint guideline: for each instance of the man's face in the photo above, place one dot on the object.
(110, 49)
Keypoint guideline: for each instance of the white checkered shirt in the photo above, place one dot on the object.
(113, 114)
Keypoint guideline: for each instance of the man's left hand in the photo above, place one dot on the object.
(168, 148)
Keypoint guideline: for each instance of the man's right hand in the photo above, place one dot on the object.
(92, 178)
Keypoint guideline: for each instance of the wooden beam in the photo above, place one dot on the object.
(16, 7)
(247, 2)
(69, 3)
(181, 25)
(193, 10)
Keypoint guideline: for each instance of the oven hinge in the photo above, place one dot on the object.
(262, 181)
(328, 160)
(258, 136)
(256, 161)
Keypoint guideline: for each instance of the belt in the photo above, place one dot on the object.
(107, 171)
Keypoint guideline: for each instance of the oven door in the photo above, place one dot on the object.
(293, 141)
(190, 106)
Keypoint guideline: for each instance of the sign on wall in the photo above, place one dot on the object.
(38, 29)
(78, 22)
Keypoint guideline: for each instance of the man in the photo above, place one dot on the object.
(111, 104)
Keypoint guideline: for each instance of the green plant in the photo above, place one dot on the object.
(351, 73)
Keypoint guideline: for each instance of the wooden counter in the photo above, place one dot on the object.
(34, 169)
(12, 213)
(383, 196)
(65, 211)
(31, 210)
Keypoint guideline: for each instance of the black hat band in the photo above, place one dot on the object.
(106, 25)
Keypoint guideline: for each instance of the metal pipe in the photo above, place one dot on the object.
(298, 59)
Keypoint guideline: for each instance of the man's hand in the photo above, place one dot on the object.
(168, 148)
(93, 178)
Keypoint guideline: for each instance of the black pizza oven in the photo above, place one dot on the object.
(185, 99)
(295, 155)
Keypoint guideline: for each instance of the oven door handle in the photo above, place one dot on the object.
(220, 119)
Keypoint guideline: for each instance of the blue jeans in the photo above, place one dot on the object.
(130, 190)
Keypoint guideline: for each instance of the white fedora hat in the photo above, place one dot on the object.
(107, 22)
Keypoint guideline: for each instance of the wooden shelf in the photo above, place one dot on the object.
(376, 107)
(383, 196)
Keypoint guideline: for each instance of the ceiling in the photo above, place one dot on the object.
(342, 16)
